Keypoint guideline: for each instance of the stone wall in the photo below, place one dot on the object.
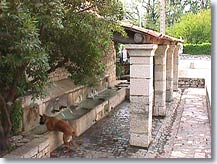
(191, 83)
(38, 143)
(37, 148)
(110, 64)
(59, 74)
(64, 92)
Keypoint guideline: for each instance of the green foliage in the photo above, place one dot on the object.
(118, 70)
(37, 37)
(22, 56)
(193, 28)
(176, 9)
(153, 15)
(80, 40)
(171, 16)
(150, 11)
(16, 117)
(86, 49)
(197, 49)
(153, 21)
(196, 5)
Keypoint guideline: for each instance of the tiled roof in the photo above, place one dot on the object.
(155, 34)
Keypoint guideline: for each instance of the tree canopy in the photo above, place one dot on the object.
(175, 9)
(194, 28)
(38, 36)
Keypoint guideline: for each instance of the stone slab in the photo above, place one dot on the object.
(143, 87)
(160, 85)
(141, 60)
(141, 123)
(141, 71)
(159, 110)
(117, 99)
(160, 99)
(141, 140)
(141, 104)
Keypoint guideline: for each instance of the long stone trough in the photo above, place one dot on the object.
(81, 117)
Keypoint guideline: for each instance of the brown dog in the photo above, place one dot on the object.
(55, 124)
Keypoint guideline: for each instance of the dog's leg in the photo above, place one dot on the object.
(77, 145)
(66, 140)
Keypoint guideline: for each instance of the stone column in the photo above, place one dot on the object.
(169, 73)
(160, 81)
(141, 92)
(175, 68)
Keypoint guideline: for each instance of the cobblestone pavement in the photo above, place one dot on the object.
(183, 133)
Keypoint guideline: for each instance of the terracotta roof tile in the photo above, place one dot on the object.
(149, 32)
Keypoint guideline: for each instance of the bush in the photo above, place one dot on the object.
(16, 117)
(193, 28)
(197, 49)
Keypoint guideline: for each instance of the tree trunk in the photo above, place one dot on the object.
(4, 141)
(5, 124)
(163, 17)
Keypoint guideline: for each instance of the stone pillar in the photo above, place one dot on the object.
(141, 92)
(169, 73)
(160, 81)
(176, 68)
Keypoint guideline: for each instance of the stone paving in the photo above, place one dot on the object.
(183, 133)
(194, 135)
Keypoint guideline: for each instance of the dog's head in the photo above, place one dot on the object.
(43, 119)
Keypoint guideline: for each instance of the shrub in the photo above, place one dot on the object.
(193, 28)
(118, 70)
(16, 117)
(197, 49)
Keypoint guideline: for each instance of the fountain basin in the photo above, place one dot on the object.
(84, 115)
